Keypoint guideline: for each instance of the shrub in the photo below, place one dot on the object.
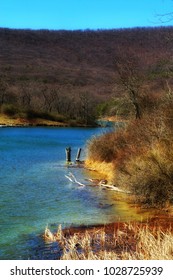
(9, 110)
(150, 176)
(117, 106)
(105, 147)
(31, 114)
(142, 155)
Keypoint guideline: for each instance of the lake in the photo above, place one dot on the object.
(34, 190)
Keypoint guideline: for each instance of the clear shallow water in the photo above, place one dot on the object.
(34, 191)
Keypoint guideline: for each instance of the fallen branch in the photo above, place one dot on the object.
(73, 179)
(95, 183)
(112, 187)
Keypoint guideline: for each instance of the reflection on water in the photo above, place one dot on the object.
(34, 191)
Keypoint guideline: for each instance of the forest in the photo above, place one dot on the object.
(79, 76)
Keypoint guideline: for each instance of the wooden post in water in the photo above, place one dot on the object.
(68, 154)
(78, 155)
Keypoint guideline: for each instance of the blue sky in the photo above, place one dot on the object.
(82, 14)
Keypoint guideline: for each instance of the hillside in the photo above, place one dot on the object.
(68, 73)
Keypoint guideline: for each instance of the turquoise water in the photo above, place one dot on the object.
(34, 191)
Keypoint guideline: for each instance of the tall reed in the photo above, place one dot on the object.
(130, 242)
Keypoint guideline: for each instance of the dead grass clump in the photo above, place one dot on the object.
(129, 242)
(152, 245)
(105, 169)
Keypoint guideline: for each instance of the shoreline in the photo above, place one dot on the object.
(6, 121)
(162, 223)
(145, 240)
(159, 218)
(119, 240)
(45, 125)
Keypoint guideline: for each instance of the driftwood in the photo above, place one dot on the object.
(113, 188)
(73, 179)
(94, 183)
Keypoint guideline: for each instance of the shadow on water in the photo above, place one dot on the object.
(41, 250)
(32, 247)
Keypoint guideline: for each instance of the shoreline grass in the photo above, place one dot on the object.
(118, 241)
(104, 169)
(7, 121)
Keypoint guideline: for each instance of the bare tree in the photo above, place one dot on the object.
(3, 90)
(50, 96)
(165, 17)
(86, 107)
(128, 69)
(25, 95)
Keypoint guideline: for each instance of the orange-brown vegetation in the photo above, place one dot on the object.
(117, 241)
(142, 155)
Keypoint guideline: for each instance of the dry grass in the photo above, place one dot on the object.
(120, 242)
(105, 169)
(9, 121)
(140, 156)
(150, 175)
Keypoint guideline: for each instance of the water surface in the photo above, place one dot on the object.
(34, 191)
